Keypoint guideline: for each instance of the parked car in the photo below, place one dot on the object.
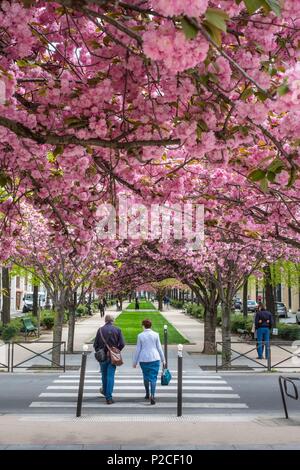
(281, 310)
(28, 301)
(252, 305)
(237, 303)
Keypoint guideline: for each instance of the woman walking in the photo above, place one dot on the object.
(149, 354)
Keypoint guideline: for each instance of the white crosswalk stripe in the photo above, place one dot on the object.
(200, 392)
(136, 387)
(143, 406)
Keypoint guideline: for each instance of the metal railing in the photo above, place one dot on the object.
(6, 365)
(268, 364)
(54, 365)
(283, 385)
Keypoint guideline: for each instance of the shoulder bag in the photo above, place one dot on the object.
(100, 354)
(114, 353)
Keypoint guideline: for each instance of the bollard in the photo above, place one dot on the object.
(81, 381)
(166, 344)
(179, 381)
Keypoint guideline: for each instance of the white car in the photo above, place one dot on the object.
(28, 301)
(252, 305)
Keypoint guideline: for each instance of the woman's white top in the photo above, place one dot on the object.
(148, 347)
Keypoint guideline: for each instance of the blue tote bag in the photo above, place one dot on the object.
(165, 377)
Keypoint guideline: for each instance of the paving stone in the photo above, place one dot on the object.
(215, 447)
(253, 447)
(25, 446)
(101, 447)
(64, 447)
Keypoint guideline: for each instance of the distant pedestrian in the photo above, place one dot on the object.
(111, 336)
(101, 308)
(104, 301)
(263, 325)
(137, 304)
(148, 354)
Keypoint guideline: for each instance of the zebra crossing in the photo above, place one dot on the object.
(200, 392)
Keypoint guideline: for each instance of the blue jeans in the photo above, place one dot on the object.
(108, 378)
(263, 334)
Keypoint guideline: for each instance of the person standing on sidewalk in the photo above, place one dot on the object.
(149, 353)
(112, 336)
(263, 325)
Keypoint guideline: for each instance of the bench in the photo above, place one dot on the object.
(28, 327)
(244, 333)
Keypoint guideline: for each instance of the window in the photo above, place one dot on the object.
(18, 282)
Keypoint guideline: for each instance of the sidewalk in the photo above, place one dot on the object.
(100, 432)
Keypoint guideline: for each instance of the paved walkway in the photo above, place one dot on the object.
(58, 432)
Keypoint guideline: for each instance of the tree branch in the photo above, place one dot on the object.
(54, 139)
(204, 33)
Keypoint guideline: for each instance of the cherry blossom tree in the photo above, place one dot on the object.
(62, 272)
(104, 95)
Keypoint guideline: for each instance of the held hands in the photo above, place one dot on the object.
(134, 366)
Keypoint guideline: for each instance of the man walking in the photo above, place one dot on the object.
(263, 325)
(108, 335)
(101, 308)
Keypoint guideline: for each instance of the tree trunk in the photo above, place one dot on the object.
(71, 329)
(6, 296)
(47, 306)
(57, 333)
(226, 335)
(90, 304)
(245, 298)
(35, 301)
(270, 303)
(160, 302)
(210, 323)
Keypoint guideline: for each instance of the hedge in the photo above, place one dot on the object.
(195, 310)
(239, 322)
(177, 303)
(11, 330)
(288, 332)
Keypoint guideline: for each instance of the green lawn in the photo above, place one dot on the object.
(144, 305)
(131, 325)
